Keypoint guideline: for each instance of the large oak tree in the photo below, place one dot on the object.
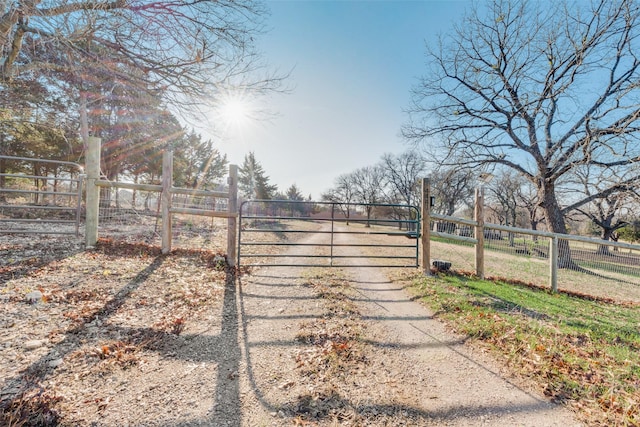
(542, 88)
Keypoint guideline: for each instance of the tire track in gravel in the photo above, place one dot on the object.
(272, 301)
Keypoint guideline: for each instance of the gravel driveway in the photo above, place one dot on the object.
(408, 369)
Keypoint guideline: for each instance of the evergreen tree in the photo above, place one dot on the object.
(293, 193)
(252, 180)
(197, 164)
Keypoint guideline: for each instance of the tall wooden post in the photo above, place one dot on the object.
(553, 263)
(425, 227)
(232, 221)
(93, 192)
(479, 218)
(167, 183)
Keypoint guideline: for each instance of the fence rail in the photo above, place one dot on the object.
(30, 203)
(166, 207)
(565, 260)
(45, 196)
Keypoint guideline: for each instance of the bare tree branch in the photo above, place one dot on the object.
(542, 88)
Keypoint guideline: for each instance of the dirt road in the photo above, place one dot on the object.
(409, 369)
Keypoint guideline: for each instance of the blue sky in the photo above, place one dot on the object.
(352, 66)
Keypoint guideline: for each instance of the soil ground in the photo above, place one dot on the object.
(124, 336)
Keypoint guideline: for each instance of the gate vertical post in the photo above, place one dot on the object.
(167, 183)
(479, 218)
(333, 215)
(232, 221)
(425, 232)
(93, 192)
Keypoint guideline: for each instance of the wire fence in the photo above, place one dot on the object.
(45, 197)
(135, 216)
(40, 196)
(592, 267)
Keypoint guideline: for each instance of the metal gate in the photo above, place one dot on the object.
(327, 234)
(40, 196)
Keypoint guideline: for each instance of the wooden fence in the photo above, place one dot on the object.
(167, 190)
(556, 250)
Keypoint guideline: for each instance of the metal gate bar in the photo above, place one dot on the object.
(271, 218)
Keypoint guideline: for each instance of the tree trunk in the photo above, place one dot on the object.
(534, 227)
(607, 234)
(55, 186)
(556, 224)
(134, 193)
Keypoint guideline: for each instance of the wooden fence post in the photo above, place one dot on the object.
(553, 263)
(167, 184)
(425, 227)
(479, 218)
(93, 192)
(232, 221)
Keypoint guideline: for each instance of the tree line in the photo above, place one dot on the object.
(133, 73)
(542, 96)
(510, 199)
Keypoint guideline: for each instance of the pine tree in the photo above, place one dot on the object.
(252, 180)
(293, 193)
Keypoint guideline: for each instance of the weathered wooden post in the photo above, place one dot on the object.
(553, 263)
(93, 192)
(479, 218)
(232, 221)
(425, 225)
(167, 184)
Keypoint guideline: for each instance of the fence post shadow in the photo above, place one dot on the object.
(227, 389)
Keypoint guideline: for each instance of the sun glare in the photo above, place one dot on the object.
(234, 112)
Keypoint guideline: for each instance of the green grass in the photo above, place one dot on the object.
(583, 353)
(584, 255)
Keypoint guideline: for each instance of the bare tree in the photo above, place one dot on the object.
(186, 50)
(609, 212)
(402, 173)
(503, 192)
(367, 187)
(539, 87)
(527, 197)
(342, 193)
(452, 188)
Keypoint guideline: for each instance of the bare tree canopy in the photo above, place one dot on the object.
(402, 173)
(184, 49)
(543, 88)
(452, 188)
(608, 213)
